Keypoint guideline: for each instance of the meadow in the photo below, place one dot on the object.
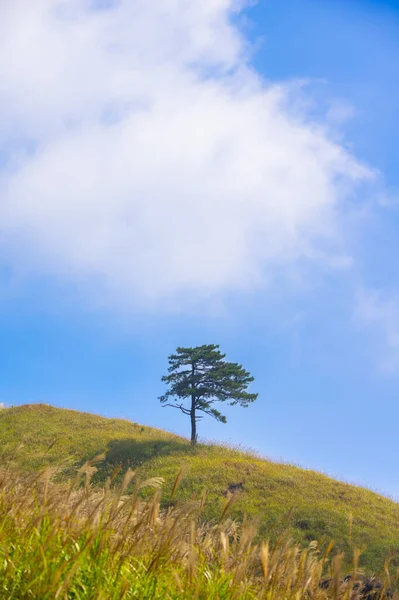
(75, 541)
(152, 517)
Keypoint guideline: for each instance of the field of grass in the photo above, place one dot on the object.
(73, 541)
(276, 498)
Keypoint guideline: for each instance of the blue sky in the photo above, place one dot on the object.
(262, 151)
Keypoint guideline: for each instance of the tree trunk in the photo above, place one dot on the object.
(192, 411)
(193, 422)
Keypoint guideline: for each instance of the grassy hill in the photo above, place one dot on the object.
(277, 497)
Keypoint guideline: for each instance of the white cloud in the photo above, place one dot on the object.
(340, 111)
(388, 199)
(380, 311)
(145, 158)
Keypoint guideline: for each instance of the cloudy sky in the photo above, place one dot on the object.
(180, 172)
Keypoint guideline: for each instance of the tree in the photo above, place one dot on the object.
(201, 375)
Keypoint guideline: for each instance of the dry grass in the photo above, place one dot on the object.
(280, 499)
(77, 541)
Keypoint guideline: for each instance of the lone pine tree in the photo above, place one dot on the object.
(202, 376)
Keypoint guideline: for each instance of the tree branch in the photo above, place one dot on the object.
(180, 406)
(214, 414)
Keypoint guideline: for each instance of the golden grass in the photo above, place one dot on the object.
(73, 541)
(280, 499)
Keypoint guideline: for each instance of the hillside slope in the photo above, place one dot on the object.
(277, 497)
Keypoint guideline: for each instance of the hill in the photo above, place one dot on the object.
(277, 497)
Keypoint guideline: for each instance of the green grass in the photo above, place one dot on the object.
(80, 542)
(276, 497)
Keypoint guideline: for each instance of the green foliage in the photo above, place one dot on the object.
(202, 375)
(277, 497)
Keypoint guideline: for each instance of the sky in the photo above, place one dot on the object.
(178, 173)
